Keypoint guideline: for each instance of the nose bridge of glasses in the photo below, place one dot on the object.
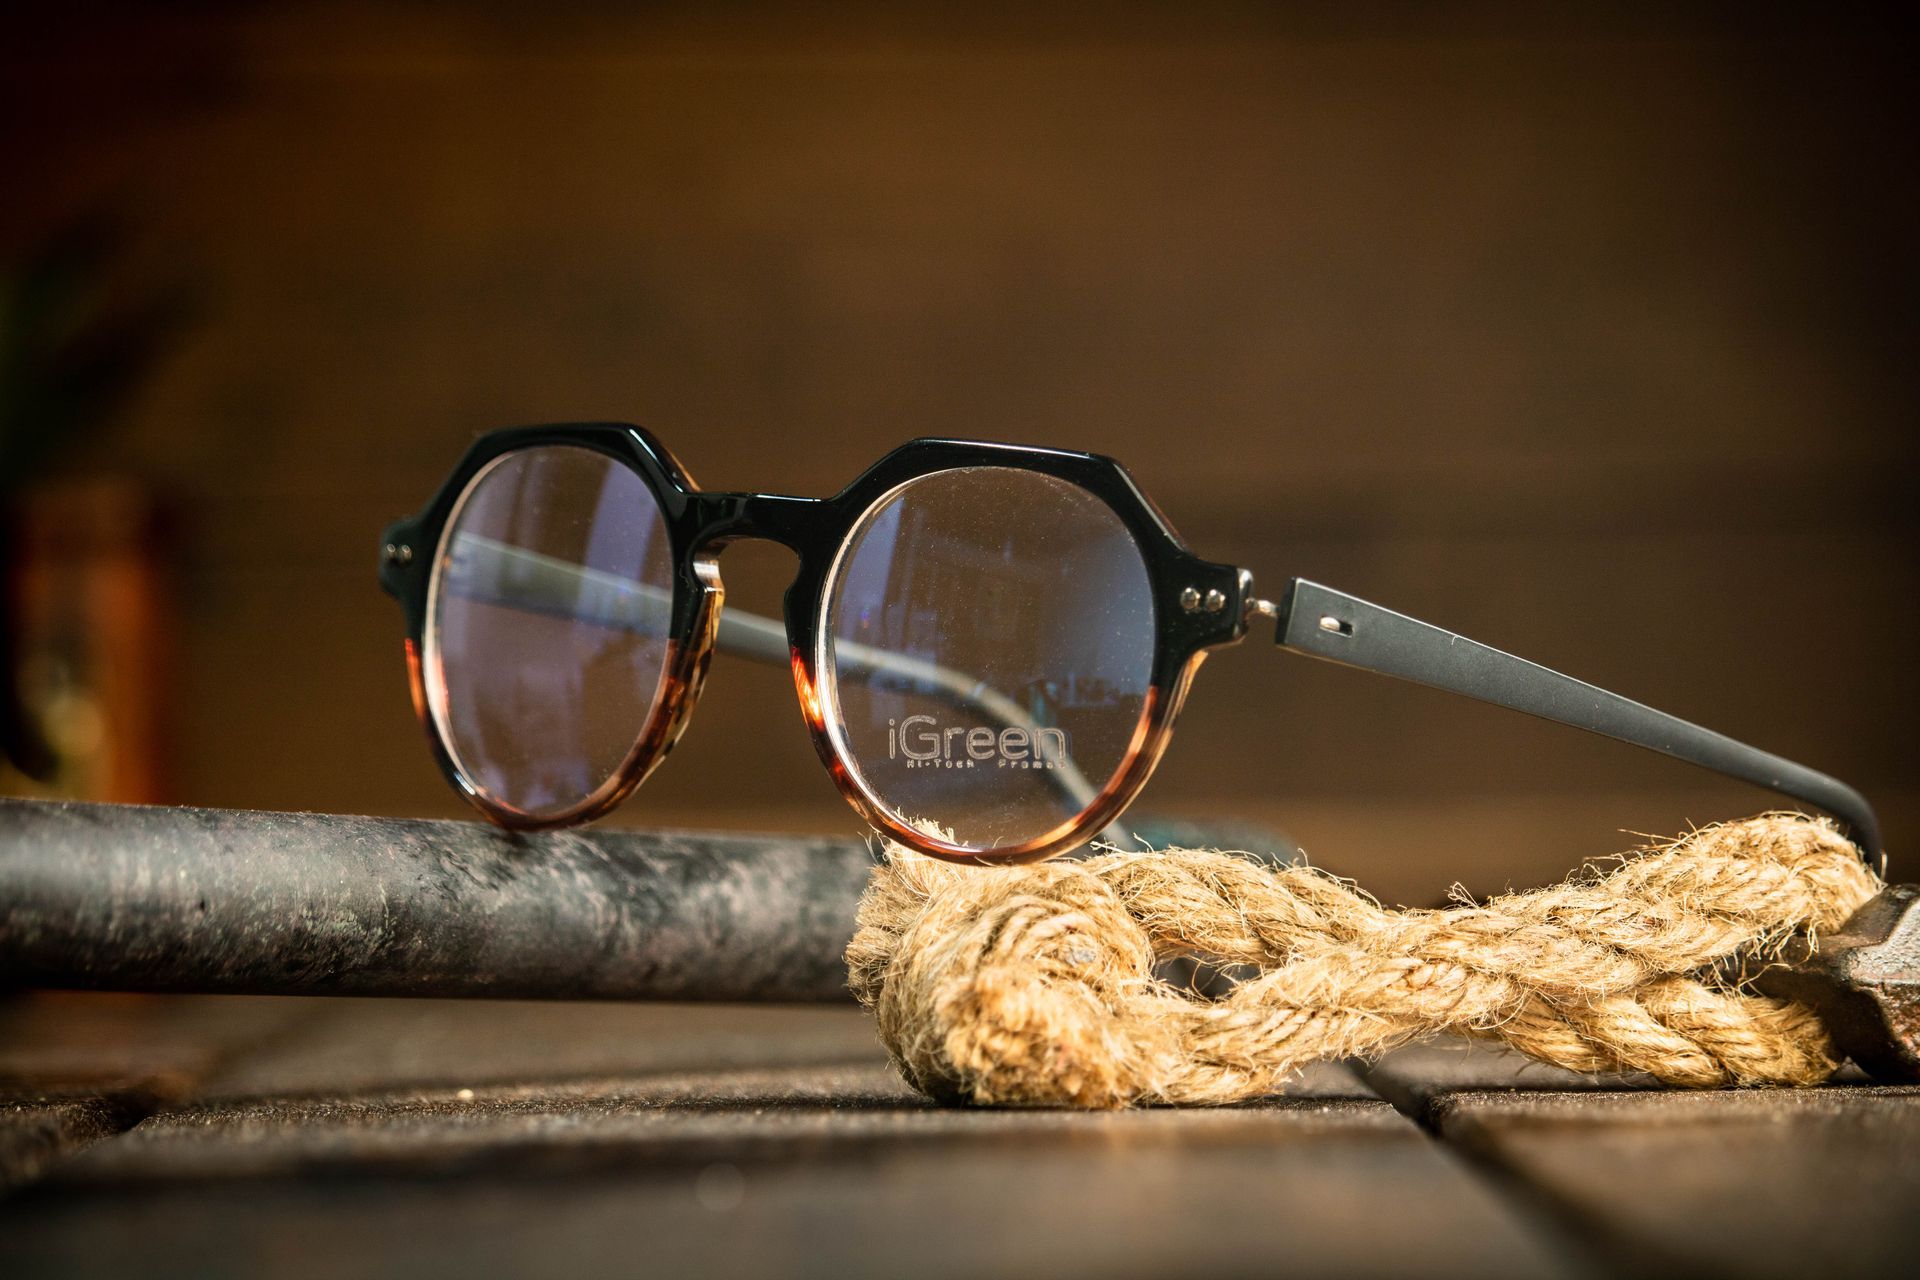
(720, 518)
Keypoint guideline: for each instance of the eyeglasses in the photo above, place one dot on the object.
(991, 642)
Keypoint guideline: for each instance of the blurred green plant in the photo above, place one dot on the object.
(76, 342)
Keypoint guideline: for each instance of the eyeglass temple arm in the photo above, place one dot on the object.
(1324, 623)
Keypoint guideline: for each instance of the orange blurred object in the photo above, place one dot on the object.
(95, 637)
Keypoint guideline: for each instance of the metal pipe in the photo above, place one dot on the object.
(136, 898)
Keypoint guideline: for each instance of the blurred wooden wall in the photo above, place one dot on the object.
(1591, 338)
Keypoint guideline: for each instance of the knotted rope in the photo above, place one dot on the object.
(1036, 986)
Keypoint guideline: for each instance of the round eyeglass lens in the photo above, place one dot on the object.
(547, 629)
(989, 649)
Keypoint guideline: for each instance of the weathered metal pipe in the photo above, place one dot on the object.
(134, 898)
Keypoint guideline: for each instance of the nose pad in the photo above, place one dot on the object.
(687, 671)
(706, 569)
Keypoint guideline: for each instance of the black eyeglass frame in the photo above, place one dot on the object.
(1199, 605)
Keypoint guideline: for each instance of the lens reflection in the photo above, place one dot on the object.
(548, 621)
(990, 638)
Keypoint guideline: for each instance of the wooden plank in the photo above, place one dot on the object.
(668, 1119)
(1751, 1182)
(815, 1173)
(76, 1069)
(35, 1132)
(1416, 1076)
(233, 1047)
(1760, 1182)
(348, 1045)
(814, 1169)
(163, 1044)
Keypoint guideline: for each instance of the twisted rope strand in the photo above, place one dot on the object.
(1035, 986)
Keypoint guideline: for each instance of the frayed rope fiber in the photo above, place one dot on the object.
(1035, 986)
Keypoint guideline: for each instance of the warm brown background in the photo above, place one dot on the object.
(1589, 337)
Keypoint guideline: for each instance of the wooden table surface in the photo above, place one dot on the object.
(240, 1137)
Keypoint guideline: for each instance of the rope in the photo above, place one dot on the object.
(1036, 986)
